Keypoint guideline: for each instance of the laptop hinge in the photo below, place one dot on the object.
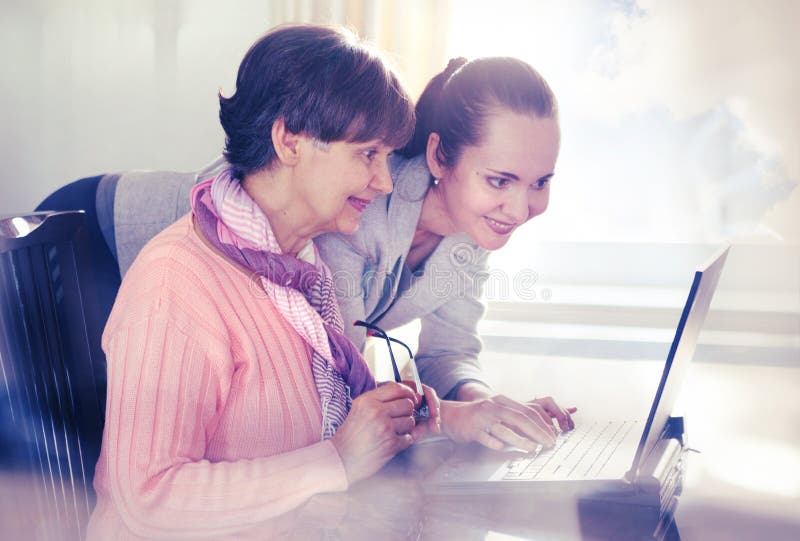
(660, 477)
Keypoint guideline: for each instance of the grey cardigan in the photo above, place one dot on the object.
(374, 283)
(372, 280)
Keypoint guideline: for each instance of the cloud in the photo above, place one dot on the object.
(732, 58)
(691, 56)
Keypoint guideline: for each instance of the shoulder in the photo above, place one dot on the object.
(177, 276)
(463, 253)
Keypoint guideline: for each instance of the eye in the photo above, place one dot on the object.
(498, 182)
(540, 184)
(370, 153)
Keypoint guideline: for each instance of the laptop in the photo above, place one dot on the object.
(602, 458)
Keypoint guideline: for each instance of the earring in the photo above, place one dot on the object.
(436, 181)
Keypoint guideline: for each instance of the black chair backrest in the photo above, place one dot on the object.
(52, 372)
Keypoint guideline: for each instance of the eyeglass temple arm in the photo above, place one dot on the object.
(423, 411)
(377, 331)
(374, 330)
(396, 341)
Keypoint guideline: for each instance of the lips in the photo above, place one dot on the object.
(501, 228)
(358, 203)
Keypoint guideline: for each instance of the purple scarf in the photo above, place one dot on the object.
(344, 375)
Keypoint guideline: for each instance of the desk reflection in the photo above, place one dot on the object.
(394, 506)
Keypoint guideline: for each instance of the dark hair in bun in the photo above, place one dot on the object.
(456, 102)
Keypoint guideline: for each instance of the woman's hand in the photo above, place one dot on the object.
(563, 416)
(379, 425)
(498, 421)
(432, 426)
(473, 390)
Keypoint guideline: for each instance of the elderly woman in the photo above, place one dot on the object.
(233, 393)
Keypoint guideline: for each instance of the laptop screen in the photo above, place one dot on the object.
(680, 353)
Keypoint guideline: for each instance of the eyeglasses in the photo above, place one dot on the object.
(422, 412)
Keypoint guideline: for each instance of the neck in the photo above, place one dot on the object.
(272, 192)
(434, 218)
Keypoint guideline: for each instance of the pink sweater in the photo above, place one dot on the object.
(213, 421)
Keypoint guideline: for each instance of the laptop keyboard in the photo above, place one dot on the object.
(578, 454)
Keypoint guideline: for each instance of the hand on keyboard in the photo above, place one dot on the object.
(563, 416)
(496, 422)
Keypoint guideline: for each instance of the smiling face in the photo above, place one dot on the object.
(338, 180)
(501, 183)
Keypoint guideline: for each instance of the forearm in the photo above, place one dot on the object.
(161, 419)
(449, 349)
(224, 497)
(472, 390)
(447, 373)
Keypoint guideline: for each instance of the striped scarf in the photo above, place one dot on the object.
(301, 288)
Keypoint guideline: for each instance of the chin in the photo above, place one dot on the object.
(491, 242)
(347, 228)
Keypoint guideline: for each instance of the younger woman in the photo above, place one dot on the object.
(477, 168)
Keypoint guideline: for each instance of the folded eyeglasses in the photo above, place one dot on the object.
(422, 412)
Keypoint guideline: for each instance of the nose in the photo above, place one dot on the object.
(381, 179)
(516, 206)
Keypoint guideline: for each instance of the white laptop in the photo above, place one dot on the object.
(605, 458)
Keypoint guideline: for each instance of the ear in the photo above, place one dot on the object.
(431, 152)
(286, 143)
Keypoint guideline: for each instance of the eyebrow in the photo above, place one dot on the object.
(503, 173)
(515, 177)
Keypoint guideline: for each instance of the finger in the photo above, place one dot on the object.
(533, 413)
(487, 440)
(564, 419)
(530, 426)
(561, 415)
(434, 407)
(422, 430)
(570, 421)
(391, 391)
(542, 413)
(411, 385)
(402, 407)
(556, 412)
(394, 445)
(570, 411)
(565, 422)
(399, 443)
(403, 425)
(546, 404)
(548, 410)
(509, 437)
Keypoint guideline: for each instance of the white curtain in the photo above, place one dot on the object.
(658, 144)
(92, 86)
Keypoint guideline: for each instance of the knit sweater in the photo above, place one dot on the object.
(213, 420)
